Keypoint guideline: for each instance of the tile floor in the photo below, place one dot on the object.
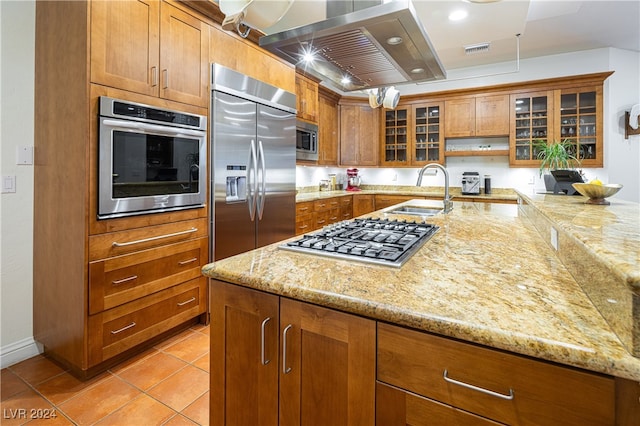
(166, 385)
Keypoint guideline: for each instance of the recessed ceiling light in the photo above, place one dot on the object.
(394, 40)
(458, 15)
(417, 70)
(345, 80)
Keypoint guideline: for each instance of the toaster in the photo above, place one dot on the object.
(471, 183)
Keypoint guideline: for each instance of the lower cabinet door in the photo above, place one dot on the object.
(395, 407)
(243, 356)
(327, 366)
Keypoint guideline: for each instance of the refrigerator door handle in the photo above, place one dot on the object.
(252, 181)
(262, 181)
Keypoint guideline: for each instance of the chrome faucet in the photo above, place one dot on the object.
(448, 204)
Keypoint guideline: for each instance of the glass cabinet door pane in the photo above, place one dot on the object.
(531, 126)
(396, 135)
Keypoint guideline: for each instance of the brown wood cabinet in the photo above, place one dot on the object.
(306, 98)
(104, 301)
(568, 110)
(480, 115)
(496, 385)
(413, 135)
(328, 128)
(150, 47)
(279, 361)
(312, 215)
(363, 204)
(359, 133)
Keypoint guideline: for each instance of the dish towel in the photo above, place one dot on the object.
(633, 117)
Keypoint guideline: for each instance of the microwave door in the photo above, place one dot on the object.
(233, 171)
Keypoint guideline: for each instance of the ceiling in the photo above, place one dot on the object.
(546, 27)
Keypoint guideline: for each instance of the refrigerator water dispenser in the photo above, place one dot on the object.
(236, 188)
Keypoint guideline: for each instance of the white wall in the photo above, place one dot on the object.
(621, 91)
(17, 38)
(17, 34)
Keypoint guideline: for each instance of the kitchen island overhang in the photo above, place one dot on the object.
(486, 277)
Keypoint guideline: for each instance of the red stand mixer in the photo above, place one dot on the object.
(353, 180)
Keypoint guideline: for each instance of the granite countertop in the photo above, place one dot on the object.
(487, 277)
(497, 194)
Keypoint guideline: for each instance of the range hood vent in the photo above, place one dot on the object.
(362, 46)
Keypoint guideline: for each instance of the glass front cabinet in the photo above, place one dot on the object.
(413, 135)
(573, 115)
(428, 140)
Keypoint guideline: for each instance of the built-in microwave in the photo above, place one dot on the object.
(150, 159)
(306, 141)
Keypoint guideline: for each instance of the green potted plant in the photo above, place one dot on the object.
(555, 156)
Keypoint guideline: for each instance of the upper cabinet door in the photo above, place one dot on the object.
(125, 45)
(307, 98)
(492, 115)
(184, 57)
(531, 123)
(579, 121)
(460, 118)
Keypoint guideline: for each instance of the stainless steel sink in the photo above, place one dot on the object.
(417, 211)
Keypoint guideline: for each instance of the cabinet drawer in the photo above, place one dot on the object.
(320, 219)
(326, 204)
(116, 243)
(121, 279)
(304, 208)
(121, 328)
(504, 387)
(395, 407)
(304, 224)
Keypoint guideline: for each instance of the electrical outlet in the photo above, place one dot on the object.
(554, 238)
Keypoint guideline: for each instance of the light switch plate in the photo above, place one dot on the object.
(24, 155)
(8, 184)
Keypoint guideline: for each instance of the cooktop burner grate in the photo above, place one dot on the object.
(378, 241)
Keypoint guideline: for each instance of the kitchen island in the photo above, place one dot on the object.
(489, 277)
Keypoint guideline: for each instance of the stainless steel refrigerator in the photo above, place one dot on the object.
(253, 159)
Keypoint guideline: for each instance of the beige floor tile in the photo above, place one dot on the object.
(65, 386)
(190, 348)
(198, 411)
(180, 420)
(99, 401)
(152, 370)
(143, 410)
(37, 369)
(10, 384)
(23, 407)
(203, 363)
(191, 382)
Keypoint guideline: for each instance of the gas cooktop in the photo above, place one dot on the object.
(379, 241)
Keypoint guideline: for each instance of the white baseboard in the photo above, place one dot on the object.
(19, 351)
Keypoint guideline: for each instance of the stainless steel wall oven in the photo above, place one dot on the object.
(150, 159)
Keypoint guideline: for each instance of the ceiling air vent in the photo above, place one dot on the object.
(473, 49)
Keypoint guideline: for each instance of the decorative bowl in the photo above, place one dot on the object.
(597, 193)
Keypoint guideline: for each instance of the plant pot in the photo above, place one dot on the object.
(549, 182)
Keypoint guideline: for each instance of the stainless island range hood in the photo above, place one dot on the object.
(379, 46)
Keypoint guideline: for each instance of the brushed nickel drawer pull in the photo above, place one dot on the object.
(262, 343)
(303, 208)
(159, 237)
(186, 302)
(124, 280)
(133, 324)
(185, 262)
(285, 369)
(479, 389)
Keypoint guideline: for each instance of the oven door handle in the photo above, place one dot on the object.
(151, 128)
